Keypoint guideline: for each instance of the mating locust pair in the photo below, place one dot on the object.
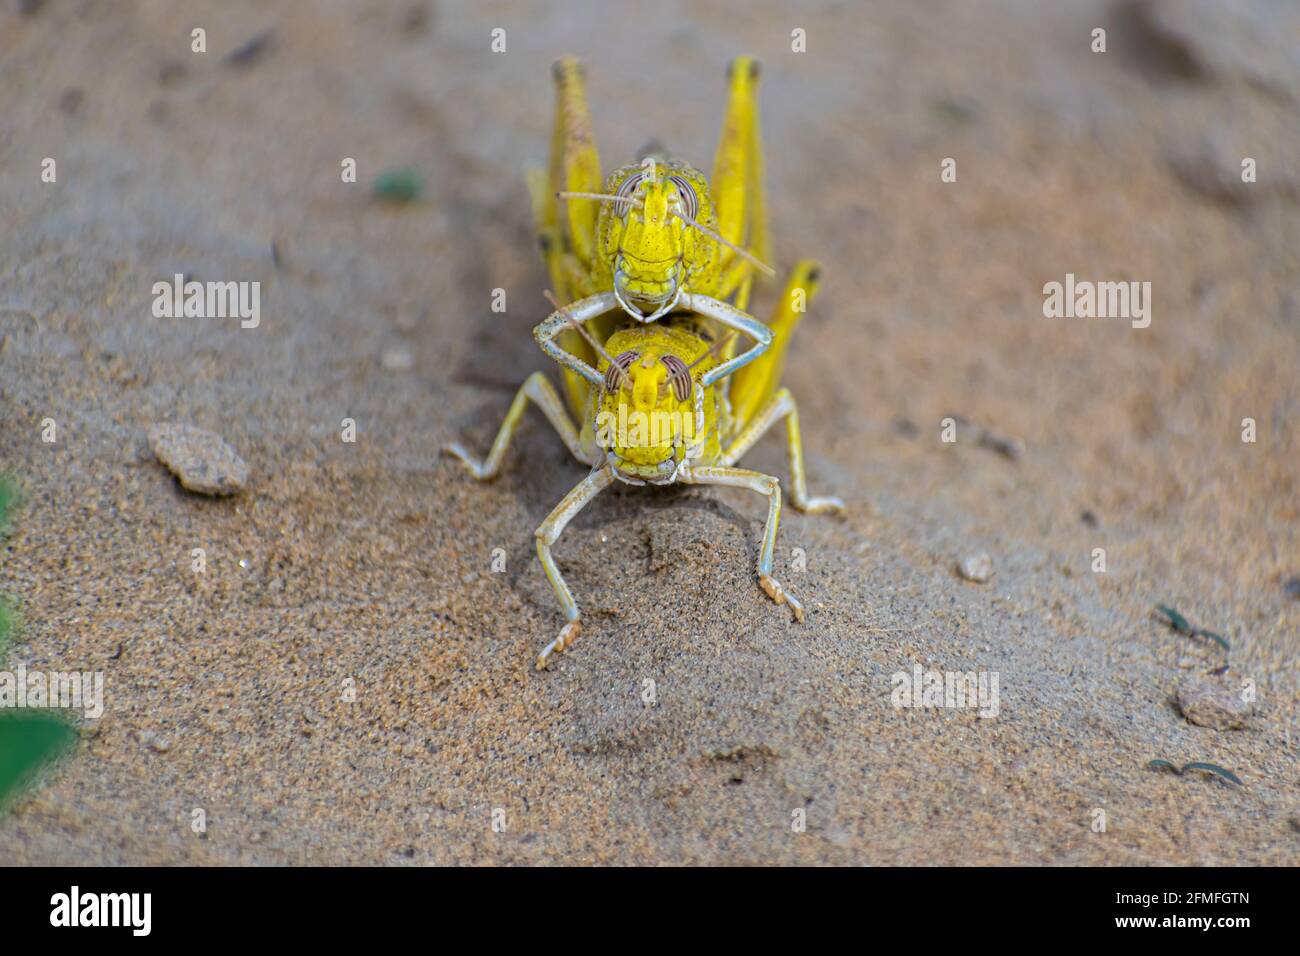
(659, 246)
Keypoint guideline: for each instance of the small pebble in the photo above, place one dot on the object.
(1216, 702)
(251, 50)
(409, 321)
(1292, 588)
(201, 460)
(398, 359)
(1012, 448)
(1209, 168)
(976, 567)
(416, 19)
(171, 72)
(155, 742)
(905, 427)
(70, 100)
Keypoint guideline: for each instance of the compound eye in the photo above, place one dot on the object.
(628, 191)
(690, 202)
(613, 377)
(679, 375)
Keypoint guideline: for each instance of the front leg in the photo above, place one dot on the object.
(732, 318)
(584, 310)
(547, 534)
(764, 485)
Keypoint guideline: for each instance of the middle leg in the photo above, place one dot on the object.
(782, 406)
(537, 389)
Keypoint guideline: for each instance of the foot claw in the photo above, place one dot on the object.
(816, 506)
(458, 450)
(779, 594)
(567, 636)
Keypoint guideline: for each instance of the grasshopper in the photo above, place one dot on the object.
(695, 407)
(657, 231)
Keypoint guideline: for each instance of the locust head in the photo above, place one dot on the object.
(650, 239)
(656, 239)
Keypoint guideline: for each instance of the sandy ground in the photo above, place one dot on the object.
(369, 564)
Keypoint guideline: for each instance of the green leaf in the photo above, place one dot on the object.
(954, 109)
(6, 626)
(398, 185)
(1175, 620)
(27, 742)
(1212, 636)
(1213, 768)
(1182, 626)
(8, 502)
(11, 622)
(1195, 765)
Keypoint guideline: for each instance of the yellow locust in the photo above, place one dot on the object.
(657, 230)
(660, 399)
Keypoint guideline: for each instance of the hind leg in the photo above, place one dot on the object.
(568, 243)
(737, 183)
